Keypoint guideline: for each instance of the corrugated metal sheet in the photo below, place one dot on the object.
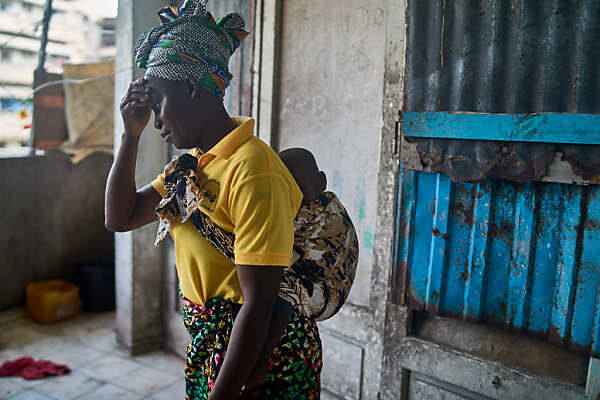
(523, 256)
(500, 56)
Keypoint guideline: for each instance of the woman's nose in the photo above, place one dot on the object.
(157, 123)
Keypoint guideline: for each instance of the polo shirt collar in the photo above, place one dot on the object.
(234, 139)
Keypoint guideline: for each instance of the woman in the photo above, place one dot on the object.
(246, 190)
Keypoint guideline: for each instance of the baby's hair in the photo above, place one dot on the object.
(303, 166)
(294, 155)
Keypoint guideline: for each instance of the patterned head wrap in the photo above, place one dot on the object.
(190, 43)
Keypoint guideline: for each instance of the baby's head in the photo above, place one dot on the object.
(303, 167)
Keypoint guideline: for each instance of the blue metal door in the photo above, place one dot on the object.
(498, 95)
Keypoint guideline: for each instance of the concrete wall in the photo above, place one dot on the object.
(52, 220)
(330, 101)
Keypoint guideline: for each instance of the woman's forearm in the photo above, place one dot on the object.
(246, 342)
(120, 196)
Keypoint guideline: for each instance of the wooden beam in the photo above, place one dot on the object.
(592, 388)
(267, 62)
(543, 127)
(480, 375)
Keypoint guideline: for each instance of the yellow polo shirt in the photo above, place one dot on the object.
(250, 192)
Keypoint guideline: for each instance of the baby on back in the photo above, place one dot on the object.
(324, 258)
(325, 243)
(325, 252)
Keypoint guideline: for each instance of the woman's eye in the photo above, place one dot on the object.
(156, 106)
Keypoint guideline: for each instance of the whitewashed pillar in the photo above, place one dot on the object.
(138, 261)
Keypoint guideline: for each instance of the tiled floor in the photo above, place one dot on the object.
(99, 369)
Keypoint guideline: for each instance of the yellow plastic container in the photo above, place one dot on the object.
(52, 301)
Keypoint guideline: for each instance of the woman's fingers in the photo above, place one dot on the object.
(135, 97)
(143, 98)
(135, 107)
(136, 91)
(129, 96)
(138, 82)
(132, 106)
(132, 103)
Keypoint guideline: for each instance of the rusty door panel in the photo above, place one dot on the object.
(522, 256)
(504, 57)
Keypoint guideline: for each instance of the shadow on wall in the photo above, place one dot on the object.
(53, 220)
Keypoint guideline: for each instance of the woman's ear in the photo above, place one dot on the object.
(322, 181)
(190, 86)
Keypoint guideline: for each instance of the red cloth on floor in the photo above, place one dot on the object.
(30, 369)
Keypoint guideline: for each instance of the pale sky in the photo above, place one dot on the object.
(103, 8)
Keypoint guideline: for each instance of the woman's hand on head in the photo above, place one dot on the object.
(136, 107)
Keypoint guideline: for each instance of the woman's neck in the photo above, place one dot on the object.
(216, 129)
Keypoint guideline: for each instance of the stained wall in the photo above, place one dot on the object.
(52, 220)
(330, 95)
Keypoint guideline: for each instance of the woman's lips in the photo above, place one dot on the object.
(166, 135)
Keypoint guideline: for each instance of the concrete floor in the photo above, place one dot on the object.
(99, 369)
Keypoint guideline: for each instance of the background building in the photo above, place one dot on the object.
(80, 31)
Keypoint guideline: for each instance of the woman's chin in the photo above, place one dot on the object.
(174, 143)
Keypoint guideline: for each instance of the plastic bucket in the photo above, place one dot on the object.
(97, 287)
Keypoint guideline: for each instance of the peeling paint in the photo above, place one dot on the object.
(362, 210)
(360, 201)
(497, 65)
(368, 239)
(512, 250)
(338, 183)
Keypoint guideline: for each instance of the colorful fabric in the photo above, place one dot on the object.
(295, 366)
(90, 127)
(30, 369)
(325, 253)
(324, 260)
(247, 190)
(191, 43)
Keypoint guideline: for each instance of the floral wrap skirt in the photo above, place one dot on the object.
(295, 366)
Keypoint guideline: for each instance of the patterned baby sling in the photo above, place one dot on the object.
(325, 252)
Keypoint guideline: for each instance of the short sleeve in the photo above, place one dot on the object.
(263, 213)
(159, 185)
